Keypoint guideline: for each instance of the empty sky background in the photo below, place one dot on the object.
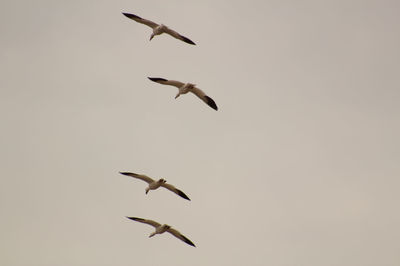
(300, 166)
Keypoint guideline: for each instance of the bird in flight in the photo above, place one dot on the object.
(154, 184)
(185, 88)
(159, 28)
(162, 228)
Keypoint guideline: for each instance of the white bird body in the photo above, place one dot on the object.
(155, 184)
(158, 29)
(162, 228)
(184, 88)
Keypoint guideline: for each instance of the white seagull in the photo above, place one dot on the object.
(162, 228)
(154, 184)
(185, 88)
(158, 29)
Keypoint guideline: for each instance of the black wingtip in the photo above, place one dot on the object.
(187, 40)
(183, 195)
(157, 79)
(125, 173)
(131, 16)
(187, 241)
(135, 218)
(211, 103)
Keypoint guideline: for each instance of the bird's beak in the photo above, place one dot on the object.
(151, 37)
(177, 96)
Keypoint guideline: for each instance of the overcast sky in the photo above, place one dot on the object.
(299, 166)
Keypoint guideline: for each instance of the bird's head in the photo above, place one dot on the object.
(166, 226)
(162, 181)
(190, 85)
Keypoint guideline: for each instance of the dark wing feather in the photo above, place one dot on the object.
(170, 82)
(145, 178)
(175, 190)
(145, 221)
(178, 36)
(138, 19)
(187, 40)
(159, 80)
(211, 103)
(180, 236)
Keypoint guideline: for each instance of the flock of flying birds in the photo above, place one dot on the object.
(183, 89)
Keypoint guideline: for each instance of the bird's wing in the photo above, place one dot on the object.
(145, 178)
(175, 83)
(199, 93)
(175, 190)
(176, 233)
(147, 22)
(145, 221)
(178, 36)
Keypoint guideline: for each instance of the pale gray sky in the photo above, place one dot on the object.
(300, 166)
